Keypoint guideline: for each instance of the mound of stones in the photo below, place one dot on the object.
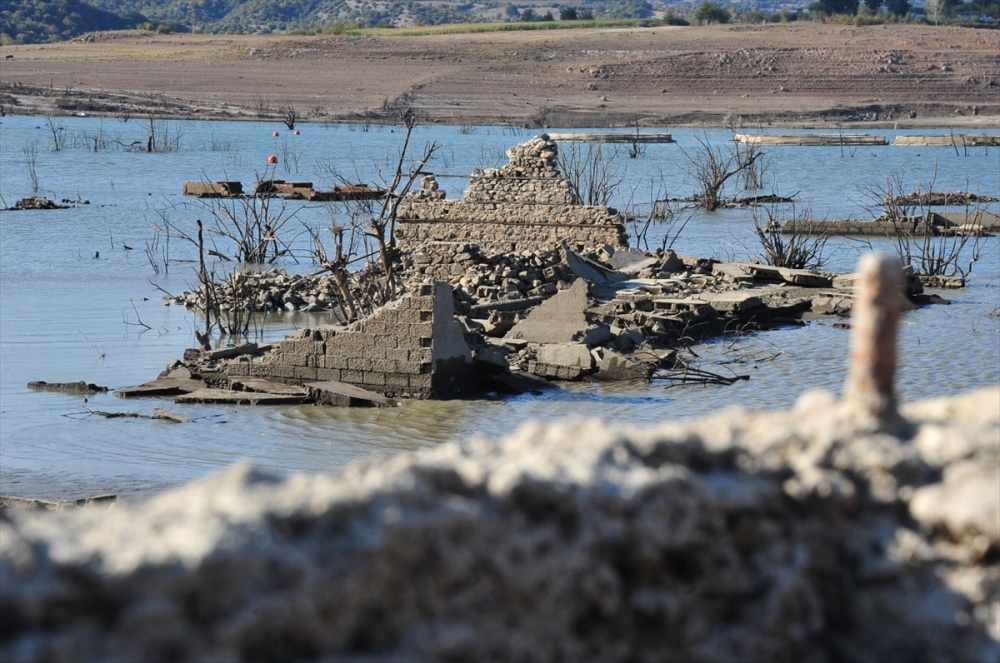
(750, 536)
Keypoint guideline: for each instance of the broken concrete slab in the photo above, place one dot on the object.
(264, 386)
(331, 392)
(520, 382)
(733, 301)
(731, 273)
(168, 415)
(561, 319)
(229, 397)
(564, 361)
(615, 367)
(636, 267)
(590, 270)
(804, 277)
(162, 387)
(79, 388)
(621, 258)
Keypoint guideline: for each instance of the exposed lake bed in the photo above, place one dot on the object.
(73, 295)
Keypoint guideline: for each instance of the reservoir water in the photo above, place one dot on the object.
(76, 283)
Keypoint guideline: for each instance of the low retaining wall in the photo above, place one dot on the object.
(412, 347)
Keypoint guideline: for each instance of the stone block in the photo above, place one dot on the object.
(328, 374)
(351, 376)
(373, 379)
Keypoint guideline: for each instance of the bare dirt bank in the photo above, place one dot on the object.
(801, 74)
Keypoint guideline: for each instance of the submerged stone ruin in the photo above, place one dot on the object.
(842, 530)
(537, 283)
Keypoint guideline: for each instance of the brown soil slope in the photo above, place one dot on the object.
(798, 73)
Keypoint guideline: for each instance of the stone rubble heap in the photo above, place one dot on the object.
(747, 536)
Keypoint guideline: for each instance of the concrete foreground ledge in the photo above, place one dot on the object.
(809, 535)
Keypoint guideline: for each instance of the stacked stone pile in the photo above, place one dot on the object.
(531, 176)
(428, 190)
(748, 536)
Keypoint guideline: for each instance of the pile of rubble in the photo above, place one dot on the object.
(269, 291)
(36, 202)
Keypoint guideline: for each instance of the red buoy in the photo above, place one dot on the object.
(275, 134)
(272, 159)
(296, 132)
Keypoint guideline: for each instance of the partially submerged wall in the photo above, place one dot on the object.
(412, 347)
(525, 205)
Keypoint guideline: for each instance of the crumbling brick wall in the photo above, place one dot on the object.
(525, 205)
(408, 348)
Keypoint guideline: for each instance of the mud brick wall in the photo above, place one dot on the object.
(412, 347)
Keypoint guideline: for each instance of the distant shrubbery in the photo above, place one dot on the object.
(36, 21)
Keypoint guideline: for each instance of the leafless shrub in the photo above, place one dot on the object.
(799, 245)
(374, 221)
(656, 213)
(291, 153)
(30, 151)
(593, 178)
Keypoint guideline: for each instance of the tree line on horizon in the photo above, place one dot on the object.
(39, 21)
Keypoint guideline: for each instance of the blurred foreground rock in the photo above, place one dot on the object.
(800, 536)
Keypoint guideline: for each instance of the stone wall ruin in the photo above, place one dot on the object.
(410, 348)
(525, 205)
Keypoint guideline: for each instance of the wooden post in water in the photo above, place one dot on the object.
(869, 390)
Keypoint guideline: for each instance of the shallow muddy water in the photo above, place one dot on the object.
(72, 297)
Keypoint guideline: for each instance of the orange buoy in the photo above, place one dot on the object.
(272, 159)
(296, 132)
(275, 134)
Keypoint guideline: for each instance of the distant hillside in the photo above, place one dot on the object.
(271, 16)
(34, 21)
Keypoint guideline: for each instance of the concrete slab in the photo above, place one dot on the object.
(348, 395)
(162, 387)
(260, 385)
(733, 301)
(561, 319)
(227, 397)
(731, 273)
(590, 270)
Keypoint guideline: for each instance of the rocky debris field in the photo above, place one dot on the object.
(800, 536)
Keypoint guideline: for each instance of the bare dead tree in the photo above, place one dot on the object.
(289, 116)
(58, 138)
(713, 166)
(930, 247)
